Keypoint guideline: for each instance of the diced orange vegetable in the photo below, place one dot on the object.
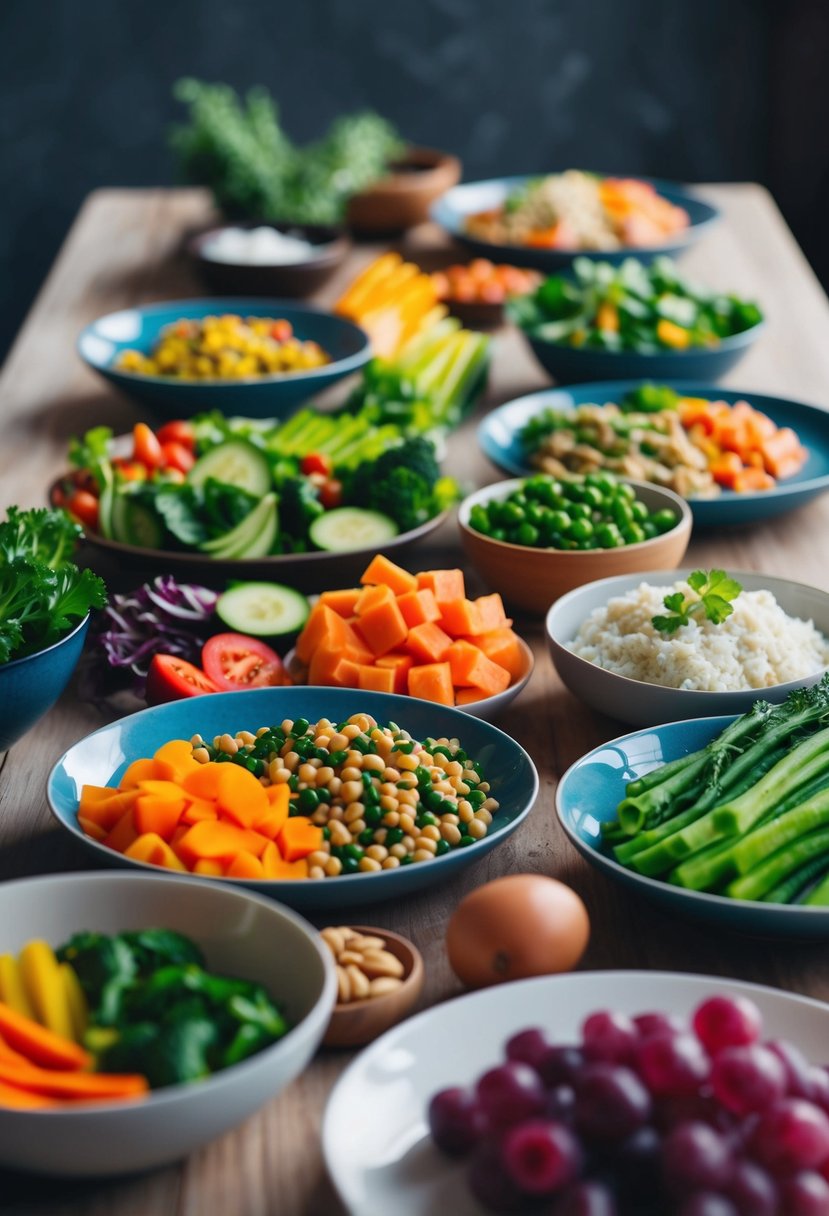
(341, 602)
(279, 801)
(504, 648)
(123, 834)
(428, 643)
(460, 617)
(671, 334)
(23, 1099)
(381, 570)
(468, 696)
(607, 317)
(298, 838)
(92, 794)
(446, 585)
(432, 682)
(371, 596)
(418, 607)
(162, 789)
(471, 668)
(245, 865)
(208, 867)
(199, 809)
(159, 815)
(725, 469)
(278, 868)
(175, 759)
(492, 613)
(203, 782)
(383, 628)
(323, 627)
(328, 667)
(752, 479)
(139, 770)
(782, 453)
(239, 795)
(105, 812)
(83, 1086)
(400, 664)
(375, 679)
(154, 851)
(90, 828)
(38, 1044)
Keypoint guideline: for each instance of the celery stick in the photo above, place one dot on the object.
(802, 818)
(785, 861)
(787, 891)
(806, 761)
(706, 869)
(819, 897)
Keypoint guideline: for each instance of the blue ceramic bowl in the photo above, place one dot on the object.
(499, 435)
(453, 208)
(101, 343)
(30, 686)
(101, 758)
(592, 788)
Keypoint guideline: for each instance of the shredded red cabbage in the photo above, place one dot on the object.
(161, 617)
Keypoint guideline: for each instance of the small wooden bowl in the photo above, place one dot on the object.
(403, 197)
(359, 1022)
(289, 279)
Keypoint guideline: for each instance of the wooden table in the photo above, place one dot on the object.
(125, 249)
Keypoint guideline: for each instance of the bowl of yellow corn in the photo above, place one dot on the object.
(255, 357)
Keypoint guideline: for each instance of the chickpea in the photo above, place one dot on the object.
(351, 791)
(476, 829)
(368, 864)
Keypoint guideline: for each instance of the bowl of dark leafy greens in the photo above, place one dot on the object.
(605, 322)
(45, 601)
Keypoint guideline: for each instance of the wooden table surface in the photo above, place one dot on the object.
(125, 248)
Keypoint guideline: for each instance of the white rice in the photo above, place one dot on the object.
(756, 647)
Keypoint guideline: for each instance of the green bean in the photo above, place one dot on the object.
(759, 881)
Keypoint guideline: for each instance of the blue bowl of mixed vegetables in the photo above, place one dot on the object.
(723, 818)
(627, 322)
(104, 343)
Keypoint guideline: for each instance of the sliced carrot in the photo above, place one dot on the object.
(123, 834)
(428, 643)
(381, 570)
(208, 867)
(375, 679)
(239, 795)
(139, 770)
(159, 815)
(400, 664)
(418, 607)
(89, 828)
(175, 760)
(23, 1099)
(341, 602)
(298, 838)
(245, 865)
(199, 809)
(460, 617)
(107, 811)
(83, 1086)
(432, 682)
(446, 585)
(154, 851)
(39, 1045)
(383, 627)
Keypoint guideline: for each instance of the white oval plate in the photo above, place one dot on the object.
(375, 1138)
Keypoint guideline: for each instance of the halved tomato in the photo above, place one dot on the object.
(171, 678)
(179, 431)
(233, 661)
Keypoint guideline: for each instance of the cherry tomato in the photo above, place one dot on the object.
(177, 432)
(171, 678)
(281, 331)
(145, 446)
(315, 462)
(177, 456)
(331, 494)
(84, 506)
(57, 496)
(233, 661)
(130, 470)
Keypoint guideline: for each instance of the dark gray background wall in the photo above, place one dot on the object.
(712, 90)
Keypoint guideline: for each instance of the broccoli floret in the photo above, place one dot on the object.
(404, 482)
(299, 506)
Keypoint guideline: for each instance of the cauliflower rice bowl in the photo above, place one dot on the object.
(756, 647)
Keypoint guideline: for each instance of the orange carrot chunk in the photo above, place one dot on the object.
(375, 679)
(432, 682)
(381, 570)
(38, 1044)
(428, 643)
(383, 627)
(418, 607)
(447, 585)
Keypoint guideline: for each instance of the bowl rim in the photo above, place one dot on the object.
(338, 367)
(414, 977)
(275, 885)
(331, 250)
(604, 861)
(663, 186)
(402, 183)
(680, 573)
(782, 488)
(26, 658)
(733, 342)
(170, 1094)
(684, 523)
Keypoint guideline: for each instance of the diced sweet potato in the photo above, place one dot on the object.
(400, 664)
(468, 696)
(341, 602)
(370, 597)
(491, 613)
(460, 617)
(428, 643)
(139, 770)
(504, 648)
(154, 851)
(383, 627)
(472, 669)
(323, 627)
(447, 585)
(418, 607)
(375, 679)
(381, 570)
(159, 815)
(245, 865)
(432, 682)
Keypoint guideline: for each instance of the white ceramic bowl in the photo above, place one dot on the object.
(488, 708)
(643, 704)
(242, 935)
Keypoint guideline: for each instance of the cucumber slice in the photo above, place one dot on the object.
(133, 523)
(235, 463)
(263, 610)
(351, 528)
(253, 537)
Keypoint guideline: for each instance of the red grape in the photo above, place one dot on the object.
(658, 1023)
(695, 1157)
(489, 1181)
(528, 1046)
(611, 1102)
(511, 1092)
(541, 1156)
(805, 1194)
(586, 1199)
(456, 1121)
(727, 1021)
(751, 1189)
(609, 1037)
(798, 1070)
(561, 1103)
(672, 1064)
(792, 1135)
(707, 1203)
(560, 1065)
(747, 1078)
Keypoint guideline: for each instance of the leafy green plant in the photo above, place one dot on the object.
(713, 591)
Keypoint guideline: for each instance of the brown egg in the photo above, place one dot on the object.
(515, 927)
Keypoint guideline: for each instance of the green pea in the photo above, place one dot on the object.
(498, 534)
(350, 864)
(560, 521)
(427, 819)
(479, 519)
(407, 860)
(300, 726)
(366, 837)
(326, 832)
(308, 801)
(581, 530)
(337, 757)
(353, 850)
(633, 534)
(527, 535)
(664, 520)
(650, 529)
(424, 777)
(518, 499)
(465, 841)
(293, 783)
(536, 514)
(609, 536)
(433, 800)
(476, 799)
(394, 836)
(442, 847)
(625, 491)
(593, 496)
(512, 514)
(373, 815)
(581, 510)
(640, 511)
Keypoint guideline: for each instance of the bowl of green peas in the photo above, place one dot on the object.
(535, 538)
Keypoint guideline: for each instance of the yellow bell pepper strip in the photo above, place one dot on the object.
(46, 988)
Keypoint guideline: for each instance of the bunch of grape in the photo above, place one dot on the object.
(648, 1116)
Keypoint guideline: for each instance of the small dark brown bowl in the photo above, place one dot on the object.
(359, 1022)
(476, 314)
(403, 197)
(291, 280)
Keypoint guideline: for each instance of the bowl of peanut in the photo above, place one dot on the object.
(379, 979)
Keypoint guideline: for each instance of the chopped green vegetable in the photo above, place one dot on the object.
(713, 592)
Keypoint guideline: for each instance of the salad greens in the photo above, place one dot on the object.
(240, 150)
(43, 594)
(633, 306)
(156, 1010)
(712, 593)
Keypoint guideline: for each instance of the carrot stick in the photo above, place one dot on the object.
(10, 1095)
(38, 1044)
(73, 1085)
